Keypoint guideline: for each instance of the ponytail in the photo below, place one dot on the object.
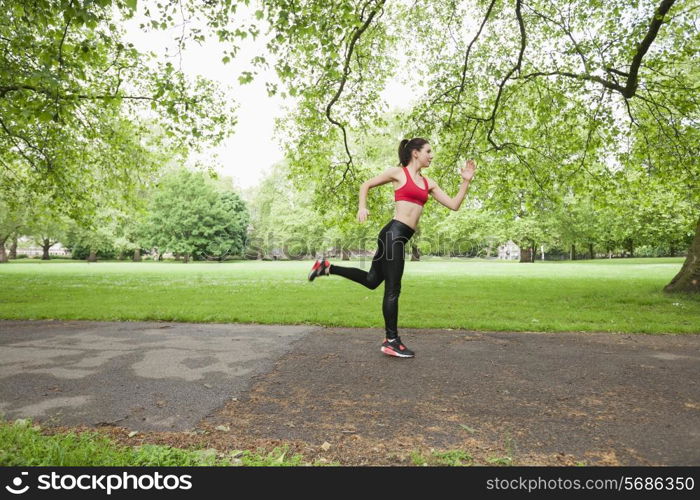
(405, 148)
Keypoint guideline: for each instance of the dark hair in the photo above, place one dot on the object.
(405, 148)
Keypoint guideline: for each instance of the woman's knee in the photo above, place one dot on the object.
(374, 285)
(392, 292)
(373, 280)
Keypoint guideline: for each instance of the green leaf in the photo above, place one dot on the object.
(245, 78)
(45, 116)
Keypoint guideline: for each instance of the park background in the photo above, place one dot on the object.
(138, 137)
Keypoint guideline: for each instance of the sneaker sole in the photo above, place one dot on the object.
(319, 271)
(391, 352)
(313, 275)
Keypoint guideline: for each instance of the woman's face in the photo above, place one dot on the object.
(424, 156)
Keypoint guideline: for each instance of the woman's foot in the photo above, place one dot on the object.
(394, 347)
(321, 268)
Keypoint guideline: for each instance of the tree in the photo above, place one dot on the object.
(94, 240)
(284, 220)
(552, 96)
(70, 92)
(46, 226)
(11, 221)
(130, 236)
(191, 216)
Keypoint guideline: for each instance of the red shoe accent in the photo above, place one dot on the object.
(389, 351)
(314, 270)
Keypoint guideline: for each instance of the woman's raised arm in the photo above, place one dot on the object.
(467, 173)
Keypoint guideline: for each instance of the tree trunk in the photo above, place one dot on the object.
(572, 253)
(672, 250)
(525, 254)
(542, 250)
(590, 250)
(93, 256)
(176, 255)
(3, 255)
(45, 247)
(344, 254)
(186, 258)
(13, 248)
(137, 255)
(415, 253)
(688, 278)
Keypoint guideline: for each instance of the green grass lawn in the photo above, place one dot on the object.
(23, 444)
(619, 295)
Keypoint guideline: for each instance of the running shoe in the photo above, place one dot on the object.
(395, 347)
(320, 268)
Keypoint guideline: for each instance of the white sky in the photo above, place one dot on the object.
(247, 154)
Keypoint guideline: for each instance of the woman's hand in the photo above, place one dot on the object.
(467, 171)
(362, 214)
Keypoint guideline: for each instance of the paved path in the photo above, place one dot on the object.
(145, 376)
(603, 398)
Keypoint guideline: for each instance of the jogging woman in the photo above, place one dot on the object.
(411, 191)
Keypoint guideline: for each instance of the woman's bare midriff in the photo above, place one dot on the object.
(409, 213)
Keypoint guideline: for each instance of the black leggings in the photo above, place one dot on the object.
(387, 266)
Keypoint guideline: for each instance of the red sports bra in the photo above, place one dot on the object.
(410, 192)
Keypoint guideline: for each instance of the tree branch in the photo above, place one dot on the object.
(523, 42)
(4, 90)
(63, 39)
(591, 128)
(466, 59)
(630, 88)
(579, 76)
(346, 71)
(20, 150)
(644, 45)
(567, 31)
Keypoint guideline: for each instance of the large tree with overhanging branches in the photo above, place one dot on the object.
(553, 98)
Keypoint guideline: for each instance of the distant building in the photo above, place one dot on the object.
(27, 246)
(509, 251)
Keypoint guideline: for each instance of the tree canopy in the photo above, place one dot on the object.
(83, 112)
(552, 99)
(191, 216)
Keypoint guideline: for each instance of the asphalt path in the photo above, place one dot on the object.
(607, 398)
(145, 376)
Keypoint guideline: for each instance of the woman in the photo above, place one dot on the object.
(411, 190)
